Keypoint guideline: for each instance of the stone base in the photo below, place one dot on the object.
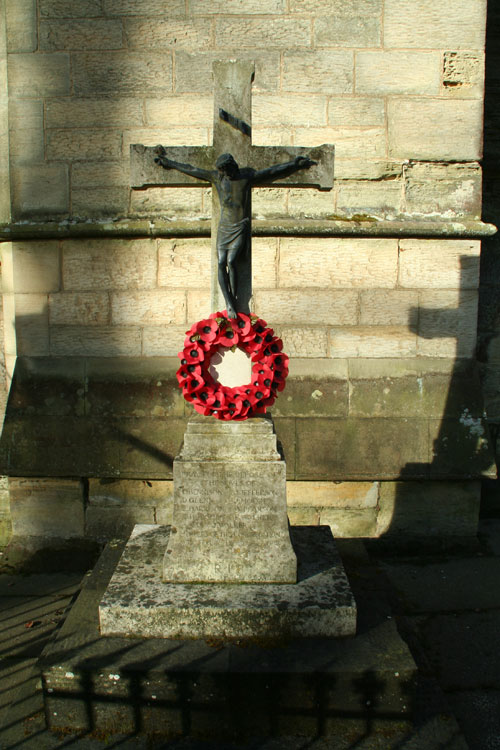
(316, 686)
(137, 603)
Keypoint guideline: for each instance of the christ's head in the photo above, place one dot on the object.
(227, 165)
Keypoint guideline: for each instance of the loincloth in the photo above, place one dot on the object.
(232, 235)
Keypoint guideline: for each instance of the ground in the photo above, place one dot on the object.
(446, 605)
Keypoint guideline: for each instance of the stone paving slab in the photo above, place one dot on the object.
(478, 712)
(56, 584)
(28, 623)
(449, 585)
(463, 648)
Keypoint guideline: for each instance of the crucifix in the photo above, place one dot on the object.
(233, 166)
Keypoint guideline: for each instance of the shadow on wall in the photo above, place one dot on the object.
(458, 440)
(489, 292)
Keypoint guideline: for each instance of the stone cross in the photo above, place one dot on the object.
(232, 134)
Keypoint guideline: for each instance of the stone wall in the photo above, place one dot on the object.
(327, 297)
(374, 290)
(397, 86)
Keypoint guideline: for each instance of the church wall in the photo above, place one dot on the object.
(397, 86)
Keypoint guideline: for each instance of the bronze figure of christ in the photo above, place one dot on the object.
(233, 188)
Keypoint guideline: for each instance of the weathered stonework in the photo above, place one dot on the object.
(229, 479)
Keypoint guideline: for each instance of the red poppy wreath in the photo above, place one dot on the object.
(246, 332)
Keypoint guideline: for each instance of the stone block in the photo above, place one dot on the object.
(338, 263)
(59, 446)
(314, 395)
(93, 113)
(350, 523)
(208, 473)
(21, 25)
(198, 305)
(95, 341)
(429, 508)
(32, 331)
(133, 388)
(359, 169)
(443, 189)
(88, 34)
(99, 202)
(153, 306)
(447, 323)
(310, 203)
(74, 144)
(173, 136)
(148, 446)
(193, 71)
(373, 197)
(461, 25)
(39, 190)
(26, 144)
(372, 341)
(230, 7)
(463, 74)
(173, 202)
(44, 387)
(281, 33)
(47, 507)
(168, 33)
(298, 111)
(38, 75)
(269, 202)
(75, 9)
(122, 72)
(90, 265)
(316, 307)
(346, 30)
(361, 449)
(460, 140)
(136, 7)
(36, 267)
(264, 254)
(271, 136)
(440, 264)
(172, 110)
(303, 516)
(118, 493)
(398, 72)
(356, 111)
(388, 307)
(79, 308)
(303, 341)
(320, 604)
(418, 387)
(90, 174)
(332, 495)
(354, 9)
(166, 341)
(312, 71)
(178, 259)
(350, 143)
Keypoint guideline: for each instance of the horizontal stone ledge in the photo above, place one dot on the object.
(338, 227)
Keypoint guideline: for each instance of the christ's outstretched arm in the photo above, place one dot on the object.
(189, 169)
(282, 170)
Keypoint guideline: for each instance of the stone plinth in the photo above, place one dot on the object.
(230, 522)
(137, 603)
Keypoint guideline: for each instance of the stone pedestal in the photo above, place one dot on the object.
(230, 569)
(230, 521)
